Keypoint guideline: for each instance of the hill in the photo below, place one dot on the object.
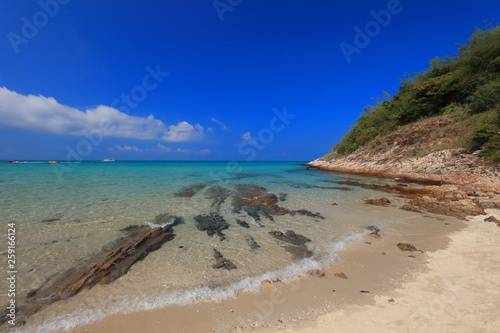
(454, 104)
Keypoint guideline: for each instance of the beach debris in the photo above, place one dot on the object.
(243, 223)
(492, 219)
(219, 195)
(384, 254)
(378, 202)
(251, 242)
(290, 237)
(390, 300)
(408, 247)
(368, 243)
(212, 224)
(411, 256)
(181, 247)
(105, 267)
(340, 275)
(363, 291)
(334, 204)
(189, 191)
(316, 272)
(221, 262)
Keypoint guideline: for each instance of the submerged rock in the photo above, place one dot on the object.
(290, 237)
(134, 229)
(307, 213)
(282, 196)
(298, 252)
(190, 190)
(212, 224)
(251, 242)
(221, 262)
(218, 194)
(166, 219)
(243, 223)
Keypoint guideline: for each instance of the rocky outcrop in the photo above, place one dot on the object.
(378, 202)
(104, 267)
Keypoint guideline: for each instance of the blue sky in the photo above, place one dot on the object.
(204, 79)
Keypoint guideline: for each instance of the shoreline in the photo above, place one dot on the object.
(278, 305)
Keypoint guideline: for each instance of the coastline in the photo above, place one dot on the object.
(309, 302)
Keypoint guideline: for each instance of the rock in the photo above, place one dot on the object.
(104, 267)
(212, 224)
(408, 247)
(221, 262)
(251, 242)
(190, 190)
(298, 252)
(334, 204)
(219, 195)
(282, 196)
(290, 237)
(374, 231)
(134, 229)
(459, 209)
(243, 223)
(307, 213)
(340, 275)
(492, 219)
(410, 208)
(167, 219)
(378, 202)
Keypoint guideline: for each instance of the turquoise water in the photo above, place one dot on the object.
(66, 212)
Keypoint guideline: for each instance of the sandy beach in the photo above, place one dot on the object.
(452, 286)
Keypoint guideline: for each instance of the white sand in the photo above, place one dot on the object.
(457, 291)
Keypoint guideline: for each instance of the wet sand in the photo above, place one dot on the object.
(441, 289)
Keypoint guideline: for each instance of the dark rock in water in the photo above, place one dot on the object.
(378, 202)
(50, 220)
(219, 195)
(282, 196)
(307, 213)
(135, 228)
(298, 252)
(290, 237)
(251, 242)
(408, 247)
(221, 262)
(243, 224)
(167, 219)
(212, 224)
(190, 190)
(102, 268)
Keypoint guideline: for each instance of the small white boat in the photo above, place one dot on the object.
(108, 160)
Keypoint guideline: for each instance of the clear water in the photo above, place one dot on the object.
(65, 213)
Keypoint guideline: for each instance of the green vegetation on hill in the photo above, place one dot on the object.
(468, 83)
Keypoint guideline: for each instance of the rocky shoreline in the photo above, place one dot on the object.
(466, 189)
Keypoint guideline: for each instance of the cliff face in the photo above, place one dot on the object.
(428, 150)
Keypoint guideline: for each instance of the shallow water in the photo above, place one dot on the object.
(65, 213)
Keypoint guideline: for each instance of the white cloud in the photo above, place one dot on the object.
(203, 151)
(162, 148)
(183, 131)
(246, 136)
(46, 114)
(126, 148)
(217, 121)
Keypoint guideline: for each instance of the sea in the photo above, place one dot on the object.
(64, 213)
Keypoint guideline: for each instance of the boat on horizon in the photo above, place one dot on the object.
(52, 161)
(13, 161)
(108, 160)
